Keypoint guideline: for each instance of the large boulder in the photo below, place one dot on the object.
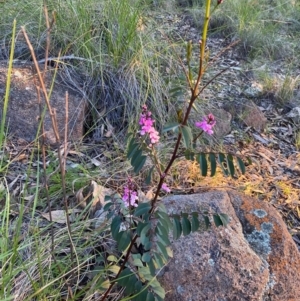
(254, 258)
(23, 112)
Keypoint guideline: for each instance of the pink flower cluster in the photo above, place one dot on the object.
(130, 196)
(207, 124)
(146, 123)
(165, 188)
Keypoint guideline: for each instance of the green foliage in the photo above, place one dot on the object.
(135, 153)
(139, 278)
(187, 136)
(226, 162)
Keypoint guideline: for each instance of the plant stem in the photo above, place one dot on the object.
(194, 96)
(121, 268)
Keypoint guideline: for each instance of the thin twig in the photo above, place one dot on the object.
(45, 167)
(221, 52)
(212, 79)
(66, 128)
(121, 268)
(47, 38)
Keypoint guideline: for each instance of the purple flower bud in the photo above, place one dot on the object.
(165, 188)
(207, 124)
(130, 196)
(146, 123)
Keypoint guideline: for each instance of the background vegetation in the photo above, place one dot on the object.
(124, 53)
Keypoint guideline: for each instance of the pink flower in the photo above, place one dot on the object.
(207, 124)
(146, 123)
(130, 196)
(165, 188)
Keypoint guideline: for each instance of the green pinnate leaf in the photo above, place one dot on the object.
(139, 164)
(161, 208)
(144, 234)
(150, 297)
(140, 227)
(201, 158)
(115, 226)
(147, 245)
(169, 251)
(130, 285)
(164, 219)
(133, 147)
(223, 163)
(157, 288)
(129, 136)
(123, 240)
(207, 221)
(213, 164)
(124, 277)
(159, 261)
(112, 258)
(107, 206)
(187, 136)
(241, 165)
(172, 126)
(224, 218)
(230, 165)
(177, 229)
(137, 260)
(142, 208)
(217, 220)
(195, 222)
(149, 176)
(161, 230)
(152, 266)
(107, 198)
(138, 286)
(146, 257)
(189, 155)
(186, 226)
(142, 295)
(162, 249)
(164, 239)
(136, 157)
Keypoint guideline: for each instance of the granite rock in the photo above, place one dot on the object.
(254, 258)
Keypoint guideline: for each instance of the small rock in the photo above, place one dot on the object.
(223, 122)
(255, 90)
(252, 116)
(294, 114)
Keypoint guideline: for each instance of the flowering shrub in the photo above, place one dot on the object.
(130, 197)
(132, 225)
(207, 124)
(146, 122)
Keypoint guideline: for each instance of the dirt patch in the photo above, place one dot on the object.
(25, 108)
